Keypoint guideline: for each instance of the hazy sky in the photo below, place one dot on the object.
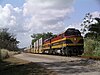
(25, 17)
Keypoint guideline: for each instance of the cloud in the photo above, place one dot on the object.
(95, 14)
(75, 25)
(35, 16)
(7, 16)
(46, 14)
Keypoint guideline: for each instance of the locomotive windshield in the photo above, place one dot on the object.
(72, 31)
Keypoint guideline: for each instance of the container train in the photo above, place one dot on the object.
(68, 43)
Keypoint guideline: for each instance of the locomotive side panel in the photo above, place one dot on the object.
(46, 45)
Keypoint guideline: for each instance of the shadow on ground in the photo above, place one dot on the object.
(22, 68)
(72, 67)
(15, 66)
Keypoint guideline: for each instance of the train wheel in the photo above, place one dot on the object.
(67, 52)
(50, 52)
(62, 51)
(54, 52)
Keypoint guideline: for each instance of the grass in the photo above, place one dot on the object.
(14, 66)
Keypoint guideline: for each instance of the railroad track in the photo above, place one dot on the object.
(90, 57)
(87, 57)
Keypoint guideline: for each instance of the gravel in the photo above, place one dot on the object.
(63, 65)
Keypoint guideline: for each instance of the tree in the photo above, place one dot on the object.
(92, 29)
(86, 22)
(8, 40)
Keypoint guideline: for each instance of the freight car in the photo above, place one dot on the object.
(68, 43)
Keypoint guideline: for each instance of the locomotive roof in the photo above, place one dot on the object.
(68, 30)
(71, 29)
(47, 39)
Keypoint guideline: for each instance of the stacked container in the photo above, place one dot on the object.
(40, 45)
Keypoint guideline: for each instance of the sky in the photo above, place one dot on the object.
(25, 17)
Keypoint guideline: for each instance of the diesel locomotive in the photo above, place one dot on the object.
(68, 43)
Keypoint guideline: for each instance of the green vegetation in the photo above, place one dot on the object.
(91, 47)
(92, 37)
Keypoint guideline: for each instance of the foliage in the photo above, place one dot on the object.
(91, 47)
(89, 25)
(91, 29)
(86, 22)
(4, 53)
(8, 40)
(41, 35)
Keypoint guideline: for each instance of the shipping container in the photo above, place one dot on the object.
(40, 45)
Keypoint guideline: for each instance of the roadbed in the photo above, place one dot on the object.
(15, 66)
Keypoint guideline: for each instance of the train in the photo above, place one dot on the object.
(68, 43)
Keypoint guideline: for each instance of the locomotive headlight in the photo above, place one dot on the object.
(75, 39)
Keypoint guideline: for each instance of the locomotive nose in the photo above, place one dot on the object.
(75, 40)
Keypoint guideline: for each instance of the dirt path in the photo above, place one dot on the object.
(64, 65)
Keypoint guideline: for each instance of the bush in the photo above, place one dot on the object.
(97, 49)
(4, 53)
(91, 47)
